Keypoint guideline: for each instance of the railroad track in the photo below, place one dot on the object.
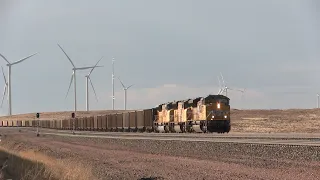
(256, 139)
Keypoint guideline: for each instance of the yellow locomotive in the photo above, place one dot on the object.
(202, 114)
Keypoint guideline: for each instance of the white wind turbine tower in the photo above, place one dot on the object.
(87, 86)
(9, 78)
(125, 93)
(5, 86)
(318, 100)
(73, 78)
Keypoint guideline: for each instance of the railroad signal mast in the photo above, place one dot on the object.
(73, 123)
(38, 116)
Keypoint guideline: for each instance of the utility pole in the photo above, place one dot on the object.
(38, 116)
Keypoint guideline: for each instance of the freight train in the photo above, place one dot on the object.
(202, 114)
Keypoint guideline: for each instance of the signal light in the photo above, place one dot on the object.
(38, 115)
(72, 115)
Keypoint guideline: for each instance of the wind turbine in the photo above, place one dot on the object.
(125, 93)
(226, 88)
(9, 78)
(87, 86)
(73, 78)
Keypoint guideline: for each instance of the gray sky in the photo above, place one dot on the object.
(170, 50)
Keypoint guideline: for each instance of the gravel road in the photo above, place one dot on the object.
(138, 159)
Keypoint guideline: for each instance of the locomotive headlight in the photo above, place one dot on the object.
(212, 117)
(218, 105)
(225, 116)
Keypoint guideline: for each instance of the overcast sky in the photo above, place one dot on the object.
(170, 50)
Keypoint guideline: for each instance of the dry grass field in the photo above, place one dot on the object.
(290, 120)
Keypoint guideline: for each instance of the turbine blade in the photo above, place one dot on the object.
(121, 82)
(224, 84)
(3, 94)
(83, 68)
(94, 66)
(67, 56)
(5, 58)
(23, 59)
(130, 86)
(93, 89)
(238, 90)
(70, 85)
(4, 76)
(219, 82)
